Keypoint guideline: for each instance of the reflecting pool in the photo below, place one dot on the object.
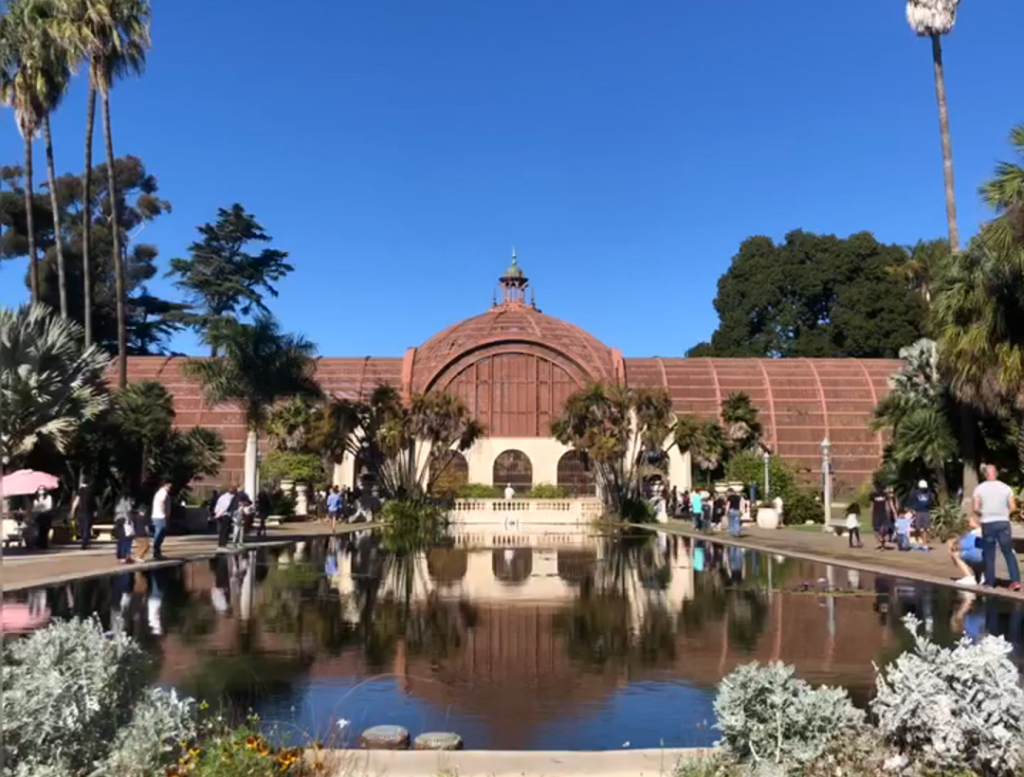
(515, 640)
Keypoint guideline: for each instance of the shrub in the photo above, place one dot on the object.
(948, 521)
(766, 714)
(953, 708)
(282, 504)
(478, 491)
(800, 506)
(748, 467)
(300, 467)
(73, 695)
(547, 491)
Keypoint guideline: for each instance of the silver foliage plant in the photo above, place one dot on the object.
(953, 708)
(931, 17)
(77, 701)
(769, 716)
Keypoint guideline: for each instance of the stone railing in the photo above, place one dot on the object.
(491, 511)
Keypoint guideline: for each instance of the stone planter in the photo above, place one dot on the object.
(767, 518)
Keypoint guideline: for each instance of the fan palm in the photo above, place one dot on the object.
(933, 19)
(1005, 193)
(49, 384)
(144, 414)
(33, 76)
(740, 421)
(980, 315)
(703, 440)
(258, 367)
(113, 36)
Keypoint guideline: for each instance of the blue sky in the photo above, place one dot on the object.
(398, 149)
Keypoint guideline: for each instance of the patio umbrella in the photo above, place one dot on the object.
(27, 481)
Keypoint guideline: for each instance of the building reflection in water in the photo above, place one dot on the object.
(516, 639)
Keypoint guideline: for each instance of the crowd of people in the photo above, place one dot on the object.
(710, 511)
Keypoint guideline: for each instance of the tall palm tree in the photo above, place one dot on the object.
(113, 36)
(28, 84)
(258, 366)
(935, 18)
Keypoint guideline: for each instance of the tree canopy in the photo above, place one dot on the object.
(221, 278)
(150, 318)
(813, 296)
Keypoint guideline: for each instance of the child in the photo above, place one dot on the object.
(853, 525)
(238, 521)
(904, 525)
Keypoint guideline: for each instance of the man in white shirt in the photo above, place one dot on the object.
(509, 493)
(993, 504)
(158, 515)
(222, 515)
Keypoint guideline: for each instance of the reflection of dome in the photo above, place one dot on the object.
(512, 566)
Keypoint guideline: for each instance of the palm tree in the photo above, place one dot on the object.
(49, 384)
(144, 414)
(935, 18)
(1005, 193)
(741, 422)
(703, 440)
(29, 84)
(113, 36)
(258, 367)
(980, 315)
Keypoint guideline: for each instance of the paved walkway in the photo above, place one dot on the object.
(30, 568)
(933, 567)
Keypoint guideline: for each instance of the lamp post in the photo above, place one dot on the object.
(826, 472)
(767, 475)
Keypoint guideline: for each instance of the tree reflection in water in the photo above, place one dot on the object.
(621, 617)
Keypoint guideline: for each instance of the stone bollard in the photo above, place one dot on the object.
(437, 740)
(384, 738)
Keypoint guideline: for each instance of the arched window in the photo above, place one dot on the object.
(576, 475)
(448, 472)
(513, 467)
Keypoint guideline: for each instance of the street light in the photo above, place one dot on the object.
(767, 476)
(826, 471)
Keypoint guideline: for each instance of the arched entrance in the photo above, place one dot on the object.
(575, 474)
(448, 473)
(513, 467)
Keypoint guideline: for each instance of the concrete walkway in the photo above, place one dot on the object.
(22, 569)
(934, 566)
(499, 763)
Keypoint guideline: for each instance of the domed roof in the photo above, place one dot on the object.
(513, 270)
(512, 327)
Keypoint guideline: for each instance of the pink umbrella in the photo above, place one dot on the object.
(28, 481)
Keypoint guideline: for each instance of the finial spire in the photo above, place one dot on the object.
(514, 260)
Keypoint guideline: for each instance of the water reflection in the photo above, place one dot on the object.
(513, 639)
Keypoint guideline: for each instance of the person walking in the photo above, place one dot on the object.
(734, 503)
(334, 503)
(242, 509)
(222, 516)
(42, 517)
(81, 511)
(124, 528)
(993, 504)
(697, 510)
(262, 511)
(920, 500)
(158, 517)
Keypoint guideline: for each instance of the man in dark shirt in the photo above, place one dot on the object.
(920, 501)
(734, 502)
(880, 515)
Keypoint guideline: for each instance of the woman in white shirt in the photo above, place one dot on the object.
(42, 516)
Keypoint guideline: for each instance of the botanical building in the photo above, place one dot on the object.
(514, 366)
